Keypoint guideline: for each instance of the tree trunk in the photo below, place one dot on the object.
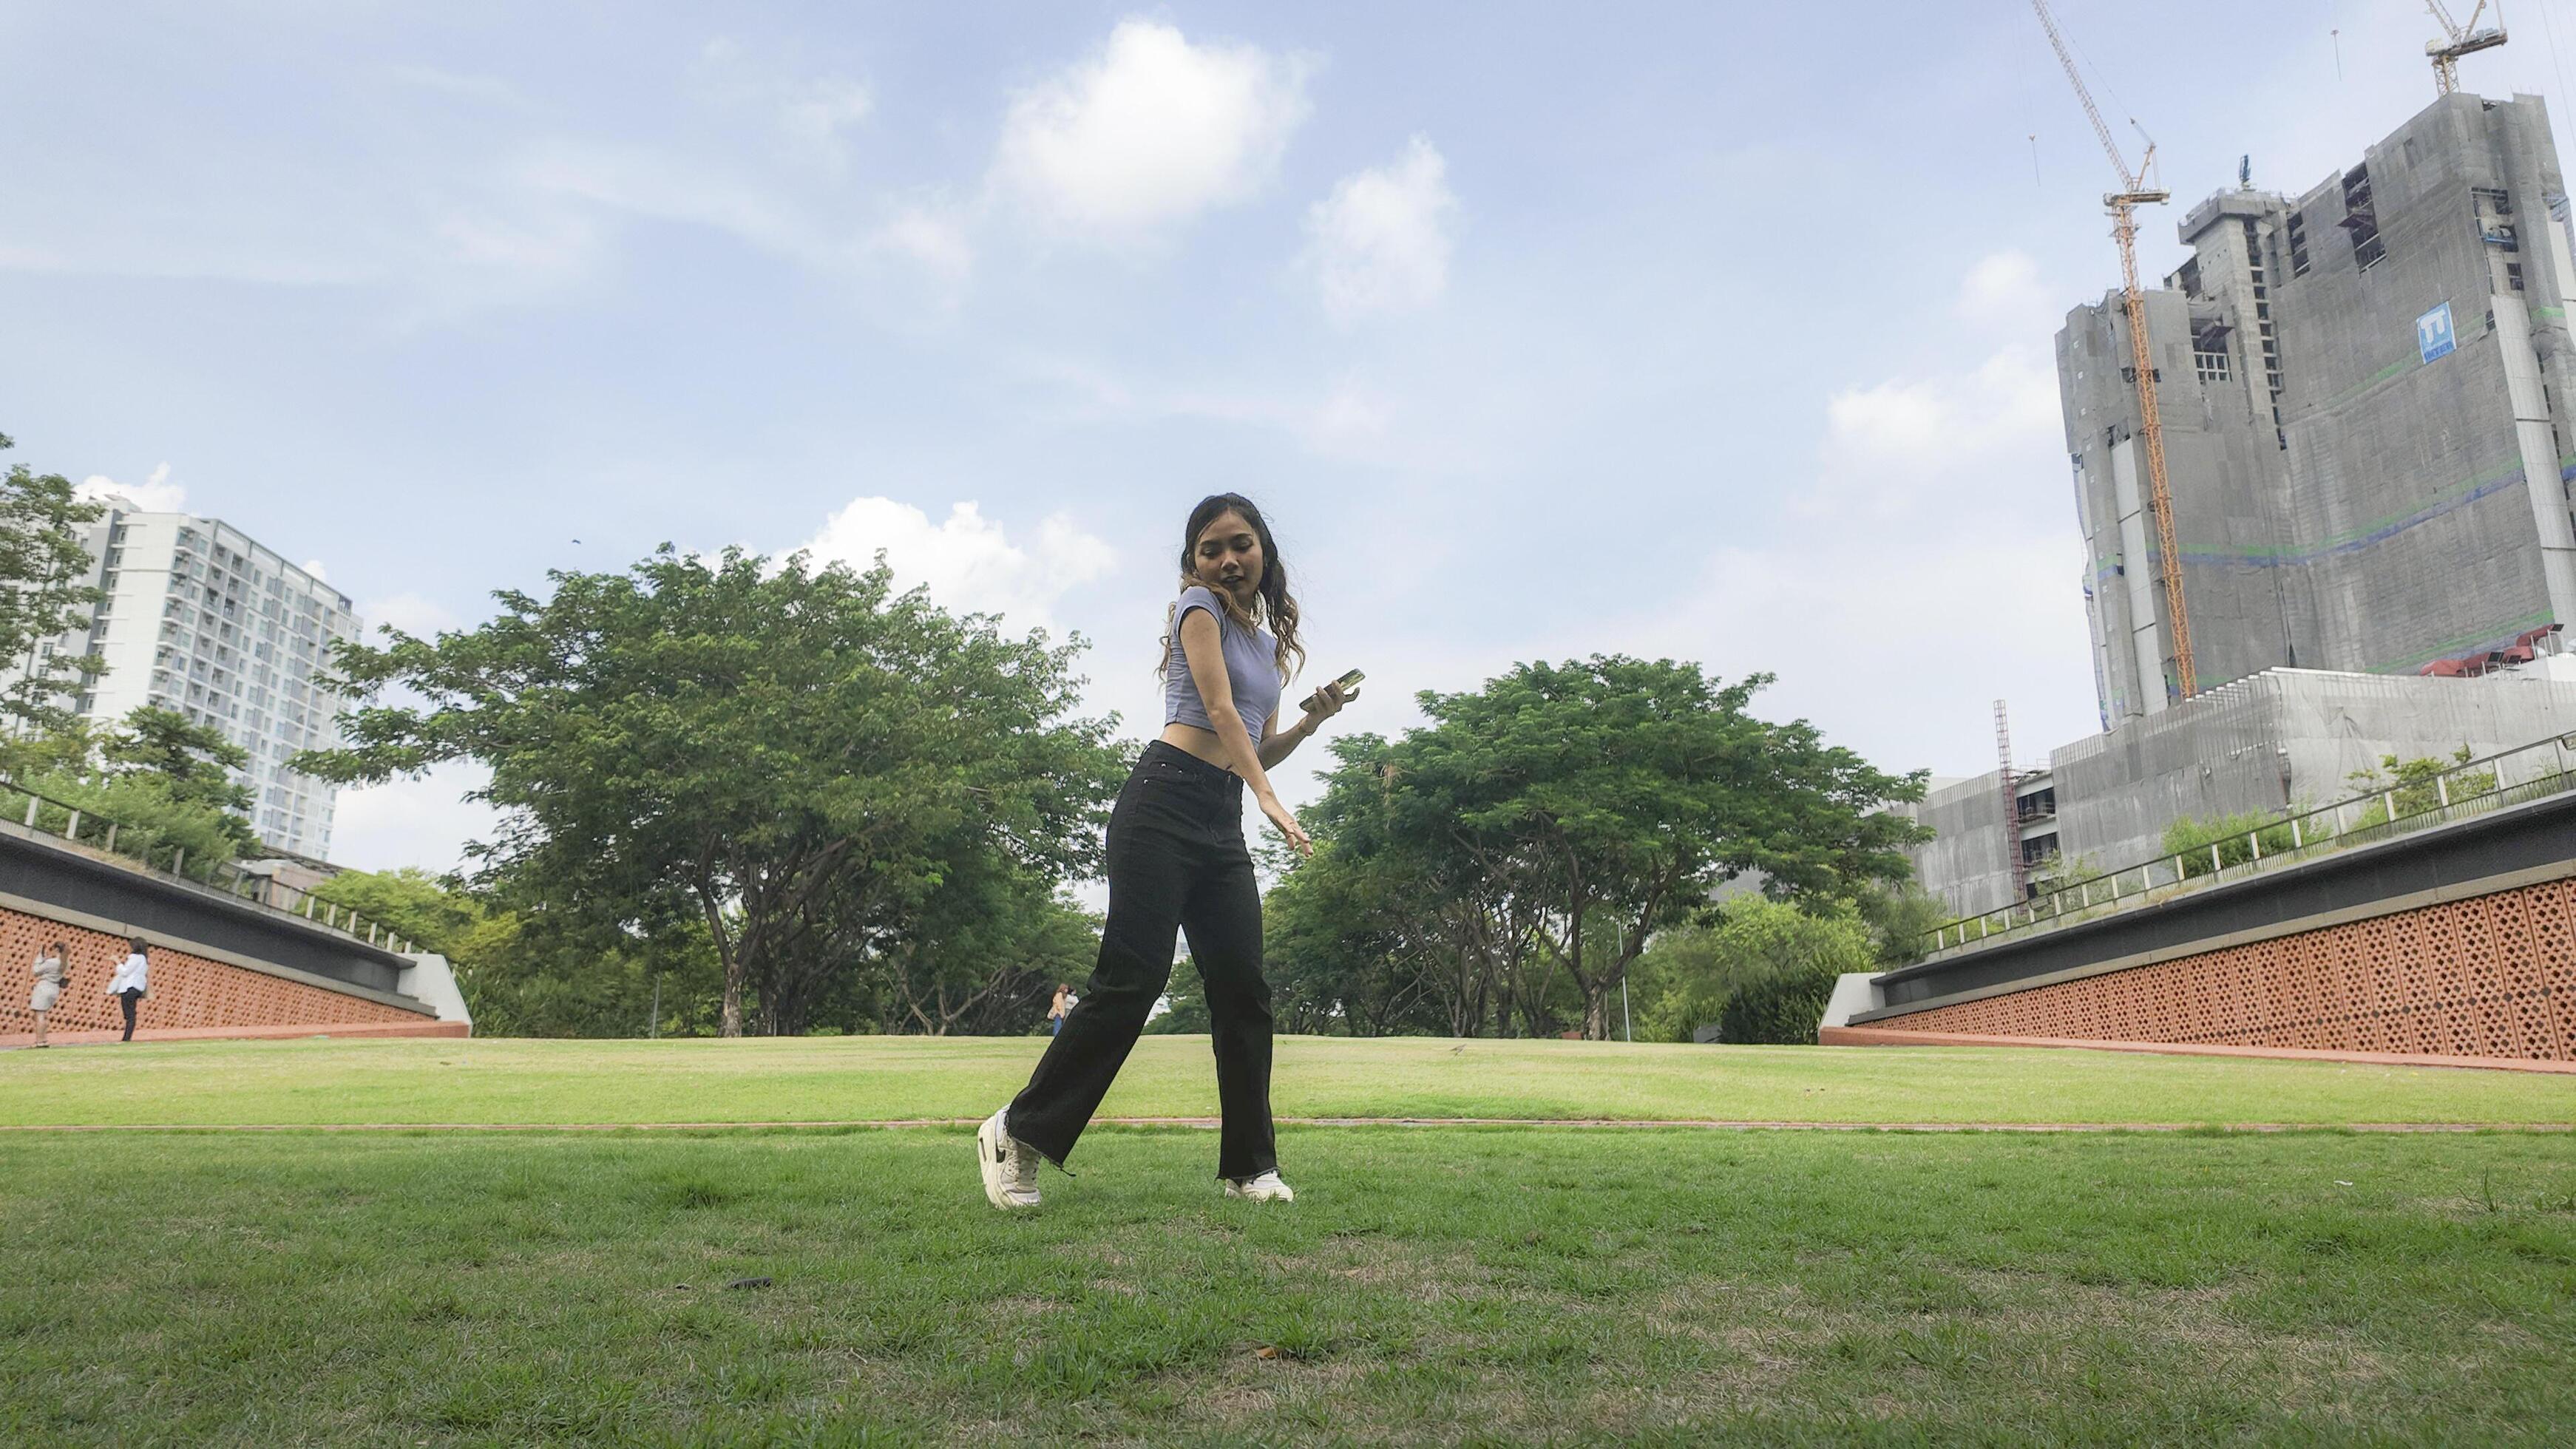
(729, 952)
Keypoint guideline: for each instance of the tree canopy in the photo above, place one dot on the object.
(815, 768)
(44, 592)
(1546, 826)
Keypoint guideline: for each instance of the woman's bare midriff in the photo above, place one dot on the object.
(1200, 743)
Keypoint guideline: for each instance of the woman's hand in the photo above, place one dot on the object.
(1287, 826)
(1323, 704)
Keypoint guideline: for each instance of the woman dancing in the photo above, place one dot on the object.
(1177, 862)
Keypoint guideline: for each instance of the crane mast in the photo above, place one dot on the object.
(2122, 204)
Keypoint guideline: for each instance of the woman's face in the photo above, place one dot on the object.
(1228, 556)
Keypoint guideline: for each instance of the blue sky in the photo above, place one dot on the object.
(1714, 332)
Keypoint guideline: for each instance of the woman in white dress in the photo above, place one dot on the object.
(49, 985)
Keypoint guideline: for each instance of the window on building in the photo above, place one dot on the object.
(2298, 245)
(2513, 275)
(2361, 219)
(2211, 366)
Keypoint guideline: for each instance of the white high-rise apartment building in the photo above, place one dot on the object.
(202, 620)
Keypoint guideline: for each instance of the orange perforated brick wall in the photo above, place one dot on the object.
(186, 990)
(2491, 976)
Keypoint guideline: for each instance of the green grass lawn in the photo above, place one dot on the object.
(1430, 1284)
(1506, 1284)
(877, 1078)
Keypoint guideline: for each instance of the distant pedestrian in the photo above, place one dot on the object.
(1177, 862)
(49, 985)
(1061, 1008)
(131, 984)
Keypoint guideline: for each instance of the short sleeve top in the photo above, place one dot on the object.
(1251, 669)
(134, 973)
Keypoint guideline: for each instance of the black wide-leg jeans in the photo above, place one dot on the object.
(1177, 863)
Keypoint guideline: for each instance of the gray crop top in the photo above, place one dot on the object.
(1251, 670)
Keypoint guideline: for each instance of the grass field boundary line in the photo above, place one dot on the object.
(1709, 1124)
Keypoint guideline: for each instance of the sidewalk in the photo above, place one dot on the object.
(27, 1039)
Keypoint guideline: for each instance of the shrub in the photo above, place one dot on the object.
(1779, 1008)
(1761, 969)
(2191, 839)
(2412, 785)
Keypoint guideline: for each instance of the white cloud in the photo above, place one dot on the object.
(155, 494)
(1930, 565)
(932, 234)
(1150, 131)
(425, 822)
(968, 562)
(414, 614)
(2004, 296)
(809, 113)
(1920, 444)
(649, 183)
(1380, 243)
(314, 567)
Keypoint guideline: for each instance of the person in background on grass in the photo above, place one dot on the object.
(49, 985)
(1177, 863)
(1060, 1008)
(130, 984)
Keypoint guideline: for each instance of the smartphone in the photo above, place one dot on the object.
(1347, 682)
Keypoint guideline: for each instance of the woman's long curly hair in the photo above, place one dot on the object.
(1274, 607)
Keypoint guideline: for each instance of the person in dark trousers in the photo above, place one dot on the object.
(131, 984)
(1178, 864)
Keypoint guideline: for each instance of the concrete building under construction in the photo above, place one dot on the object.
(2366, 396)
(2285, 739)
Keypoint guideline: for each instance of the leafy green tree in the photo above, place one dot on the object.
(798, 757)
(984, 952)
(164, 782)
(1350, 947)
(1899, 914)
(1613, 795)
(44, 592)
(1431, 908)
(191, 763)
(150, 826)
(1185, 1008)
(1688, 977)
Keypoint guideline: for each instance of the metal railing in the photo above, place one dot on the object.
(2526, 772)
(45, 815)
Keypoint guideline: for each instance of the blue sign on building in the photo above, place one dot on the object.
(2433, 333)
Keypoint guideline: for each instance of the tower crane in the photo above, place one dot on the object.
(2465, 40)
(2123, 203)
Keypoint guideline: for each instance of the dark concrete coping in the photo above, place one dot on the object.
(52, 878)
(2482, 854)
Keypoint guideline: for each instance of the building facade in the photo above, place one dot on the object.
(200, 619)
(2283, 740)
(2365, 392)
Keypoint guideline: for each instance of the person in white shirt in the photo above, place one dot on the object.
(49, 985)
(130, 984)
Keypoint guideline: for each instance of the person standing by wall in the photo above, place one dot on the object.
(49, 971)
(131, 984)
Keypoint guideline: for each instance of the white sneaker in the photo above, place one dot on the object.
(1010, 1165)
(1265, 1188)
